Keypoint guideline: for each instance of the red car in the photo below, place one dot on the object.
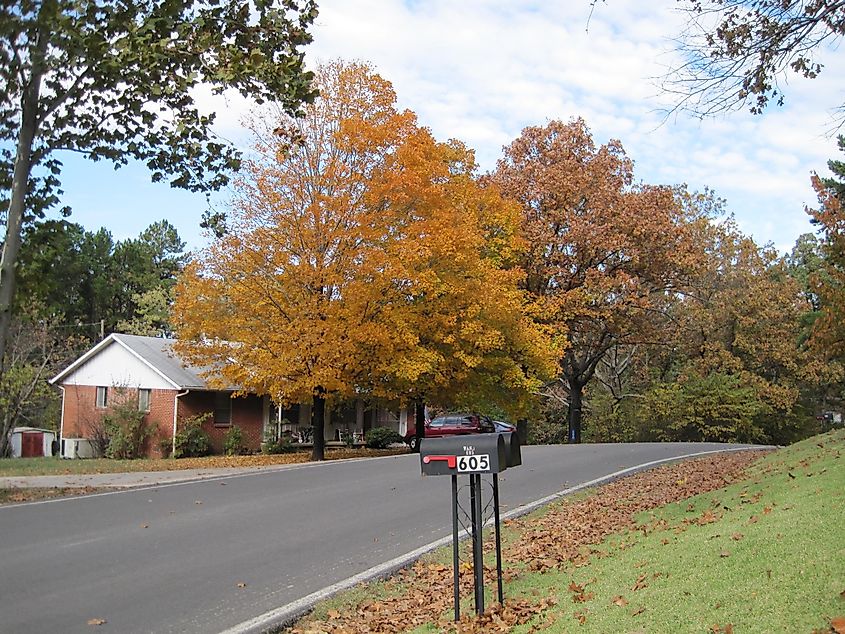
(456, 425)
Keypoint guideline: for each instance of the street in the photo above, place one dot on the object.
(206, 556)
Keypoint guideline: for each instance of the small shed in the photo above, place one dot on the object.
(32, 442)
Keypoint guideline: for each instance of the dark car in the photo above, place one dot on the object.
(456, 425)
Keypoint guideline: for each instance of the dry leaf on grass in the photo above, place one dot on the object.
(837, 624)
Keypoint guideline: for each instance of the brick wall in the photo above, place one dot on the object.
(247, 413)
(81, 413)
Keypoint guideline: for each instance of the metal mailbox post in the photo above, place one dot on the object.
(473, 455)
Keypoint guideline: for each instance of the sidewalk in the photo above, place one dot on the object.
(129, 480)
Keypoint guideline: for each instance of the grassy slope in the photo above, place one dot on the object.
(764, 555)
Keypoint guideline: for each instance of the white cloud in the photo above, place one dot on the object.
(481, 70)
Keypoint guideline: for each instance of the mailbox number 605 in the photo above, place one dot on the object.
(468, 464)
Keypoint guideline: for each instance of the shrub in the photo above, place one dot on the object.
(233, 441)
(282, 445)
(126, 430)
(381, 437)
(547, 431)
(191, 439)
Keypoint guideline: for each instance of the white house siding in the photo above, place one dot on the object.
(116, 366)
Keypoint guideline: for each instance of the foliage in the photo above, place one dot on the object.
(117, 81)
(362, 257)
(716, 407)
(548, 430)
(604, 253)
(281, 445)
(192, 441)
(736, 52)
(233, 441)
(127, 430)
(126, 285)
(37, 349)
(381, 437)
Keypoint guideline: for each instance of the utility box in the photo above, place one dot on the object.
(471, 453)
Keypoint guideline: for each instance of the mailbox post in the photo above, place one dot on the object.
(473, 455)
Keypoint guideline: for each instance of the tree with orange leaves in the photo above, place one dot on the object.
(603, 255)
(363, 259)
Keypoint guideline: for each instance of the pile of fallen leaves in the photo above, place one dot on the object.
(266, 460)
(563, 535)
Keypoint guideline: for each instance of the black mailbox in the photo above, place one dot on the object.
(472, 453)
(513, 449)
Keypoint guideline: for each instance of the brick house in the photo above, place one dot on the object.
(145, 371)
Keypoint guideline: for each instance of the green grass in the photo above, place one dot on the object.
(765, 554)
(773, 561)
(58, 466)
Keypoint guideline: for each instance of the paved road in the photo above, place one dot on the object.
(206, 556)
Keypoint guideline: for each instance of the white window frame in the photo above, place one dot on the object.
(101, 400)
(145, 396)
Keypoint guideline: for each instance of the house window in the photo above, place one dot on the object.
(144, 400)
(222, 409)
(102, 397)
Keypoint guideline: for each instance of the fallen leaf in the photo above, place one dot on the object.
(638, 611)
(620, 601)
(97, 621)
(333, 614)
(837, 624)
(737, 536)
(724, 553)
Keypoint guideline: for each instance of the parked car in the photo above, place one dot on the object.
(456, 425)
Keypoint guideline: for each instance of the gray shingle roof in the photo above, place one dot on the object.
(155, 352)
(158, 353)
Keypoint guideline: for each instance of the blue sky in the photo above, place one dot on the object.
(480, 71)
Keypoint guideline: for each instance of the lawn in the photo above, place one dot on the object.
(58, 466)
(733, 543)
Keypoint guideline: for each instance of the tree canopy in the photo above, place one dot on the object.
(737, 53)
(115, 81)
(362, 258)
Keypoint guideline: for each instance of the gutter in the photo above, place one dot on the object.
(62, 423)
(175, 417)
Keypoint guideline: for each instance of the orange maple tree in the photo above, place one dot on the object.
(603, 253)
(363, 259)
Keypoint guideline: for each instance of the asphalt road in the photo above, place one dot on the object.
(206, 556)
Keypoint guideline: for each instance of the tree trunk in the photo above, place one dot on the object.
(318, 424)
(576, 393)
(419, 420)
(20, 185)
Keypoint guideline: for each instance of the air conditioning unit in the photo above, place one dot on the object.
(77, 448)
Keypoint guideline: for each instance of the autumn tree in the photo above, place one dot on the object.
(603, 253)
(360, 257)
(737, 53)
(736, 333)
(116, 81)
